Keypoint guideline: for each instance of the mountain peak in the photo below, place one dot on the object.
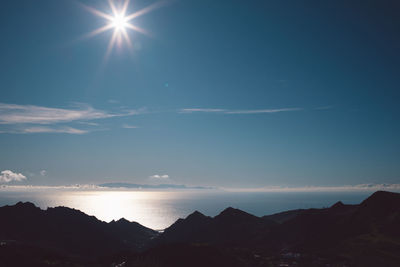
(25, 205)
(230, 210)
(123, 220)
(337, 205)
(234, 213)
(382, 198)
(196, 214)
(382, 202)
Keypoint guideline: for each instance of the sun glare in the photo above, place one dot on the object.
(118, 21)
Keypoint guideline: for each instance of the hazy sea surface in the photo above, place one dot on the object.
(159, 209)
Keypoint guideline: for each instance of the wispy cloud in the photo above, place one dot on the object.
(127, 126)
(158, 176)
(260, 111)
(68, 130)
(10, 176)
(89, 123)
(29, 119)
(205, 110)
(45, 129)
(43, 172)
(243, 111)
(30, 114)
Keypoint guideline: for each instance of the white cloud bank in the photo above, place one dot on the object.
(10, 176)
(344, 188)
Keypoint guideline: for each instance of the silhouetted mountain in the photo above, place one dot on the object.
(379, 214)
(283, 216)
(367, 234)
(186, 230)
(363, 235)
(230, 215)
(229, 227)
(70, 231)
(381, 203)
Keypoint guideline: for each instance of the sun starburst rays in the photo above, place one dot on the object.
(119, 22)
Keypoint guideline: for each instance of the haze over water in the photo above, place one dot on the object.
(159, 209)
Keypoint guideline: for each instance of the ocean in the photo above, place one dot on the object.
(159, 209)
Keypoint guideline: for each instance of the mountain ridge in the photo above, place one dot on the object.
(69, 231)
(365, 234)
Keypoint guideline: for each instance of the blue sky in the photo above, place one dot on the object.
(222, 93)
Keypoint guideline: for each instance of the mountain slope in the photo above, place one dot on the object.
(70, 231)
(367, 234)
(342, 235)
(231, 226)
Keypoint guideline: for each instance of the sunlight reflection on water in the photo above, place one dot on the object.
(159, 209)
(152, 209)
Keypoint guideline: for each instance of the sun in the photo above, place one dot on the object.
(118, 21)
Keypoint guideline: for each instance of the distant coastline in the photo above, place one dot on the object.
(148, 186)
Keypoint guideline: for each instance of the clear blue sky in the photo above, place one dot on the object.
(223, 93)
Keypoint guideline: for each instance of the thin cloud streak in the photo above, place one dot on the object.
(260, 111)
(67, 130)
(30, 114)
(227, 111)
(127, 126)
(205, 110)
(89, 123)
(44, 129)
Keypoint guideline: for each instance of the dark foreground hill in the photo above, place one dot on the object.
(69, 231)
(367, 234)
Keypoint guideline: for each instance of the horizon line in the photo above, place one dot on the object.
(266, 189)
